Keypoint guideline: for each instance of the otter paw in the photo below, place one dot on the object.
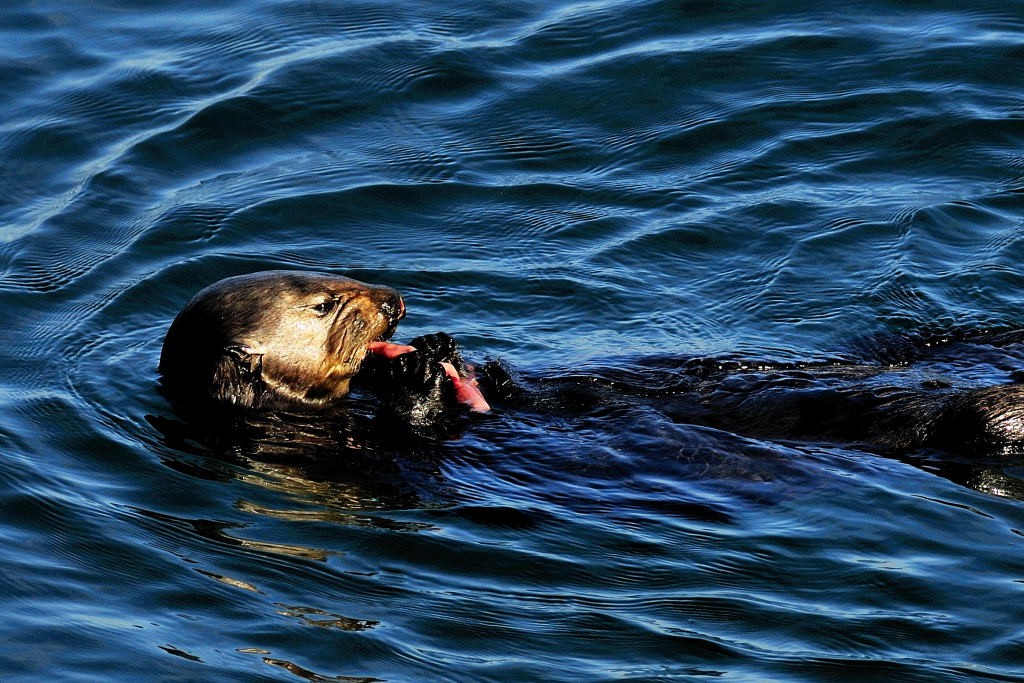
(419, 391)
(439, 347)
(416, 371)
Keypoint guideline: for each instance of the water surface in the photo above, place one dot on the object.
(559, 185)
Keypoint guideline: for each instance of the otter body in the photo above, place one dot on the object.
(957, 393)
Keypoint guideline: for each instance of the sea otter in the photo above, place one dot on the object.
(283, 340)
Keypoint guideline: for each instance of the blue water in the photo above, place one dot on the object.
(561, 186)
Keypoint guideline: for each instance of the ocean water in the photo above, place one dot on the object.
(559, 185)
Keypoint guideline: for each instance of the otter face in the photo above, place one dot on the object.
(276, 338)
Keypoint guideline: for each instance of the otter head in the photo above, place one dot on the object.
(275, 339)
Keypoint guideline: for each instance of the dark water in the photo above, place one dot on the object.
(560, 185)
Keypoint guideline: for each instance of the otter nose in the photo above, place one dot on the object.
(393, 307)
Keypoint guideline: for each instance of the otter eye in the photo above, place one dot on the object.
(324, 307)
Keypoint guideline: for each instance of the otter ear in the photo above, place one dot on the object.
(238, 376)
